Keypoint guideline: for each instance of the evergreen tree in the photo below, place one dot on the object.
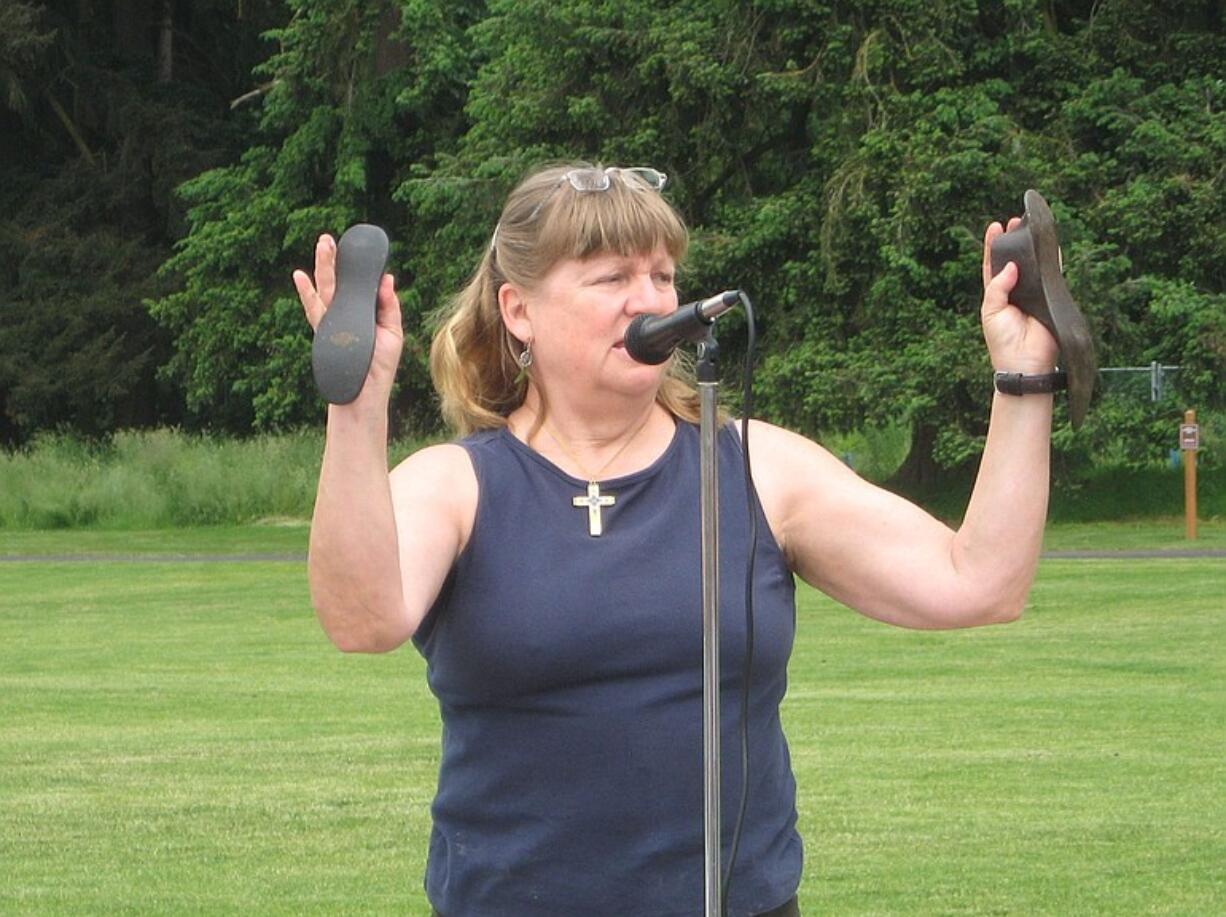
(109, 115)
(836, 159)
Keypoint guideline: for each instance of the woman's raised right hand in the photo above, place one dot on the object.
(316, 296)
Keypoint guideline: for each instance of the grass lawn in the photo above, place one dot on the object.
(290, 537)
(1137, 535)
(180, 738)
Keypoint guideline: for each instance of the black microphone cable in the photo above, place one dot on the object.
(751, 501)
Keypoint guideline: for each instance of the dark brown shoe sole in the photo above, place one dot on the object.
(1042, 292)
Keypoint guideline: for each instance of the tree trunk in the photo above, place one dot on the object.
(166, 35)
(129, 24)
(1050, 23)
(919, 470)
(390, 52)
(71, 128)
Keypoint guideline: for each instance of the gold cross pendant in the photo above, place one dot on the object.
(594, 501)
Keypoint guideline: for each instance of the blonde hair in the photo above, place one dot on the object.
(473, 357)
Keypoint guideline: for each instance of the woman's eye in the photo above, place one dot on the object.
(664, 279)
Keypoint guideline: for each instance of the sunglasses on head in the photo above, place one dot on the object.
(602, 180)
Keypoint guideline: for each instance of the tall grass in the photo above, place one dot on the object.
(1095, 495)
(160, 479)
(1115, 493)
(168, 479)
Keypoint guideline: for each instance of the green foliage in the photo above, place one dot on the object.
(161, 479)
(876, 453)
(156, 479)
(1121, 492)
(87, 211)
(335, 134)
(843, 171)
(75, 348)
(22, 46)
(838, 160)
(1129, 431)
(1131, 166)
(167, 478)
(1096, 494)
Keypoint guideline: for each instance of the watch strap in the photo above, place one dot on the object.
(1022, 384)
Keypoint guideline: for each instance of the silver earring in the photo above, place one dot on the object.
(524, 360)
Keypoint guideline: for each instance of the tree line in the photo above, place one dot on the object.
(838, 160)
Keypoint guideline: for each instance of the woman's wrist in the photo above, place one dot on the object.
(1030, 383)
(363, 417)
(1025, 365)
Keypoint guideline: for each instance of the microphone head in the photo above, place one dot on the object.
(643, 349)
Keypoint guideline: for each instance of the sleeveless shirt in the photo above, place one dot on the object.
(568, 672)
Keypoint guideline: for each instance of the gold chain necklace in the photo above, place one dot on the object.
(593, 501)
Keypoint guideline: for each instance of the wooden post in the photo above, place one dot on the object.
(1189, 442)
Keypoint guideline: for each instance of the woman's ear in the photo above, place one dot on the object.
(514, 309)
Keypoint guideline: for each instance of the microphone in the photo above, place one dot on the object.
(651, 339)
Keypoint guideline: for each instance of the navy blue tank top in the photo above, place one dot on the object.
(568, 671)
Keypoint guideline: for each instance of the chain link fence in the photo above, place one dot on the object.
(1155, 381)
(1136, 416)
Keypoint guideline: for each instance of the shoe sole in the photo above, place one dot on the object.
(345, 339)
(1042, 292)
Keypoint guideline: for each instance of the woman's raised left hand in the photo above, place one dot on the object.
(1017, 342)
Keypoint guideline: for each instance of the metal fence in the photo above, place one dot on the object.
(1161, 379)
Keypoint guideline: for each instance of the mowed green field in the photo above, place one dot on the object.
(179, 737)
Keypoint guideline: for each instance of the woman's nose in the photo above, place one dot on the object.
(645, 295)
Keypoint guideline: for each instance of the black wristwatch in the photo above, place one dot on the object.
(1022, 384)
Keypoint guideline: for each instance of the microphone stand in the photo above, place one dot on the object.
(708, 391)
(651, 340)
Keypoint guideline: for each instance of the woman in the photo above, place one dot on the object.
(545, 564)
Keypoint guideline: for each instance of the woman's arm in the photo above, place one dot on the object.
(887, 558)
(380, 546)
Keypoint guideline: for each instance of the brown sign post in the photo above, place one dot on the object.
(1189, 442)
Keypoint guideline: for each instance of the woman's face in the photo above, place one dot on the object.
(578, 315)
